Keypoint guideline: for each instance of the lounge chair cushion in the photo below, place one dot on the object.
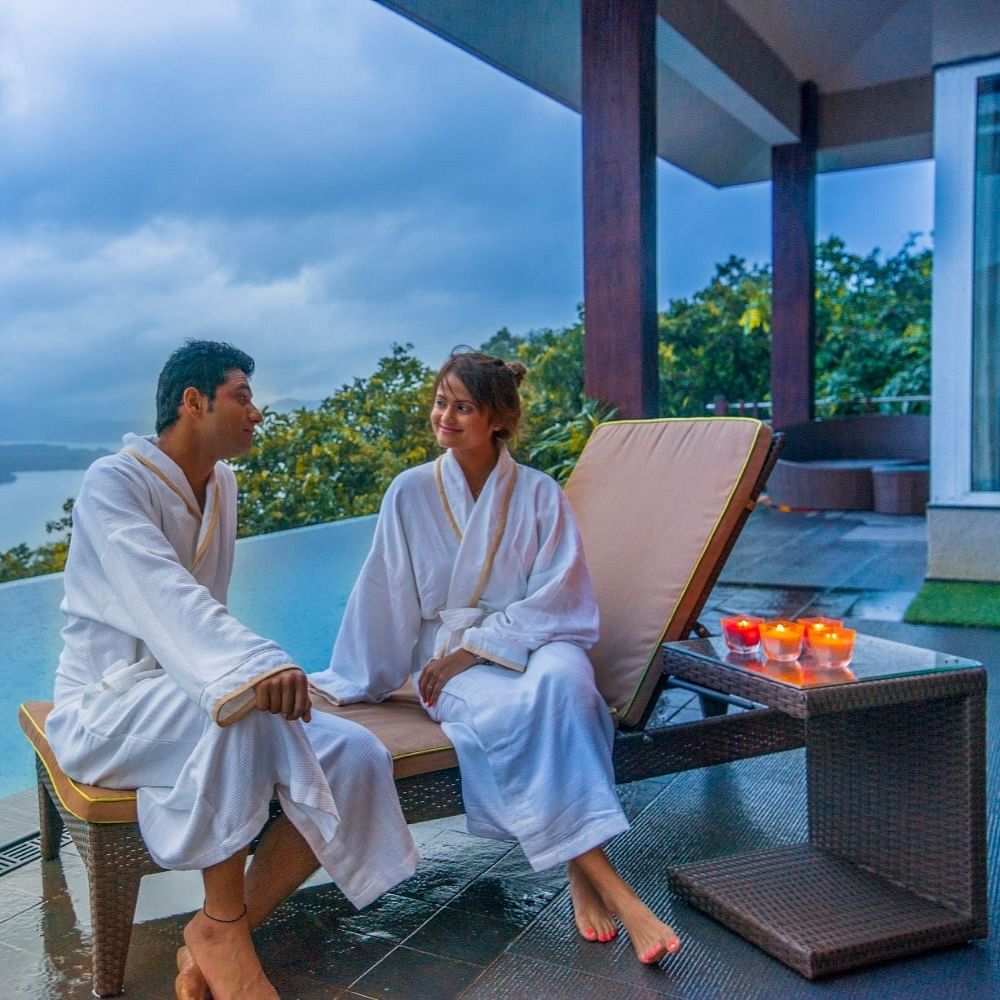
(703, 472)
(417, 744)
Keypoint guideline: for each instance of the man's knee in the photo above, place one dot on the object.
(338, 741)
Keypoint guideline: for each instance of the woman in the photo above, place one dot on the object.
(477, 585)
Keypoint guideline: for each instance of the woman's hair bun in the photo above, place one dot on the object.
(517, 370)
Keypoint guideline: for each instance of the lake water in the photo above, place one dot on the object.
(31, 500)
(291, 586)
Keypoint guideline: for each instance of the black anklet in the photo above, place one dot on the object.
(219, 920)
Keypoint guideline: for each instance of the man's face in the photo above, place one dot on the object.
(231, 417)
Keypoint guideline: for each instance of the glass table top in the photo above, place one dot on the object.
(874, 659)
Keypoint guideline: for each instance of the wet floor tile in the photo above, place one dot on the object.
(408, 974)
(515, 900)
(881, 605)
(454, 934)
(14, 901)
(768, 602)
(636, 795)
(60, 975)
(514, 977)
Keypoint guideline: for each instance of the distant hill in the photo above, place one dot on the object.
(289, 403)
(43, 458)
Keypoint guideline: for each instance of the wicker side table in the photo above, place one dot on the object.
(896, 769)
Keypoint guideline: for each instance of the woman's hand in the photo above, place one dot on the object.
(438, 672)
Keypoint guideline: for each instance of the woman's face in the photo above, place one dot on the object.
(458, 422)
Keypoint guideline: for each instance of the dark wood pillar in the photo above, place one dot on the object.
(793, 296)
(619, 204)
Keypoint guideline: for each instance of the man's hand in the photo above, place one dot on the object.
(437, 673)
(285, 693)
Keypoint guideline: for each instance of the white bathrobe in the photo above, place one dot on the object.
(533, 734)
(154, 689)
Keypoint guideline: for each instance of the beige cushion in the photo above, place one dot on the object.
(657, 501)
(417, 744)
(86, 802)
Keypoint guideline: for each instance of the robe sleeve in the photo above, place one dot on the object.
(374, 648)
(211, 656)
(558, 604)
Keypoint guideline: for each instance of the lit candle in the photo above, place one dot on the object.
(742, 633)
(782, 640)
(817, 625)
(833, 647)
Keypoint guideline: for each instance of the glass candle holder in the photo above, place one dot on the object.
(741, 632)
(812, 625)
(833, 647)
(782, 640)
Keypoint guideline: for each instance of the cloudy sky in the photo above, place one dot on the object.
(312, 181)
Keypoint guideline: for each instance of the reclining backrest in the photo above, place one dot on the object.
(657, 501)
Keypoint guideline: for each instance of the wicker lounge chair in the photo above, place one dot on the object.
(660, 504)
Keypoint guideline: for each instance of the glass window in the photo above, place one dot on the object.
(986, 290)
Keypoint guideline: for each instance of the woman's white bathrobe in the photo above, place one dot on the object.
(533, 735)
(155, 676)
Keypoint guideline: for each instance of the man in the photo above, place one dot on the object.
(159, 688)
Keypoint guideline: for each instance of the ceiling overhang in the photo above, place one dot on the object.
(729, 73)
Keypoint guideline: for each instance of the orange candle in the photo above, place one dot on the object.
(782, 640)
(817, 625)
(833, 647)
(741, 632)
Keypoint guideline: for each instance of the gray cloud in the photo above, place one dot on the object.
(313, 181)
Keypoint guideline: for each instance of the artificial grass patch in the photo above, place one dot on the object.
(956, 602)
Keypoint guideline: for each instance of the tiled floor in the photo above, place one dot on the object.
(477, 922)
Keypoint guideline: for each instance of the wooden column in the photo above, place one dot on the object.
(793, 296)
(619, 203)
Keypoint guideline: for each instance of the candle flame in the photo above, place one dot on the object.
(743, 623)
(780, 628)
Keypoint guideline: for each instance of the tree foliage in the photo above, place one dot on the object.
(336, 461)
(308, 466)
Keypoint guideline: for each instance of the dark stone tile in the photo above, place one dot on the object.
(516, 865)
(453, 933)
(434, 883)
(473, 853)
(881, 605)
(508, 898)
(514, 977)
(344, 959)
(414, 975)
(636, 795)
(899, 566)
(785, 601)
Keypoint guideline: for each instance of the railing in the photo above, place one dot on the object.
(761, 409)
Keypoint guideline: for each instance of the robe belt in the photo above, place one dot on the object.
(454, 622)
(122, 675)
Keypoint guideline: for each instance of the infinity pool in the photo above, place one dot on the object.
(291, 586)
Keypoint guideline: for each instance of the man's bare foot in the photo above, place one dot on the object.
(594, 920)
(225, 955)
(190, 983)
(651, 938)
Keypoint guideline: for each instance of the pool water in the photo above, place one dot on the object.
(291, 586)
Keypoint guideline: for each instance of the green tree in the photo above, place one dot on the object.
(336, 461)
(873, 318)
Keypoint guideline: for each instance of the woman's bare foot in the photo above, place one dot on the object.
(225, 955)
(190, 983)
(594, 920)
(651, 938)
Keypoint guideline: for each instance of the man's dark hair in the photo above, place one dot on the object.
(199, 363)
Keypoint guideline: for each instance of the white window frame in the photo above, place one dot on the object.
(951, 312)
